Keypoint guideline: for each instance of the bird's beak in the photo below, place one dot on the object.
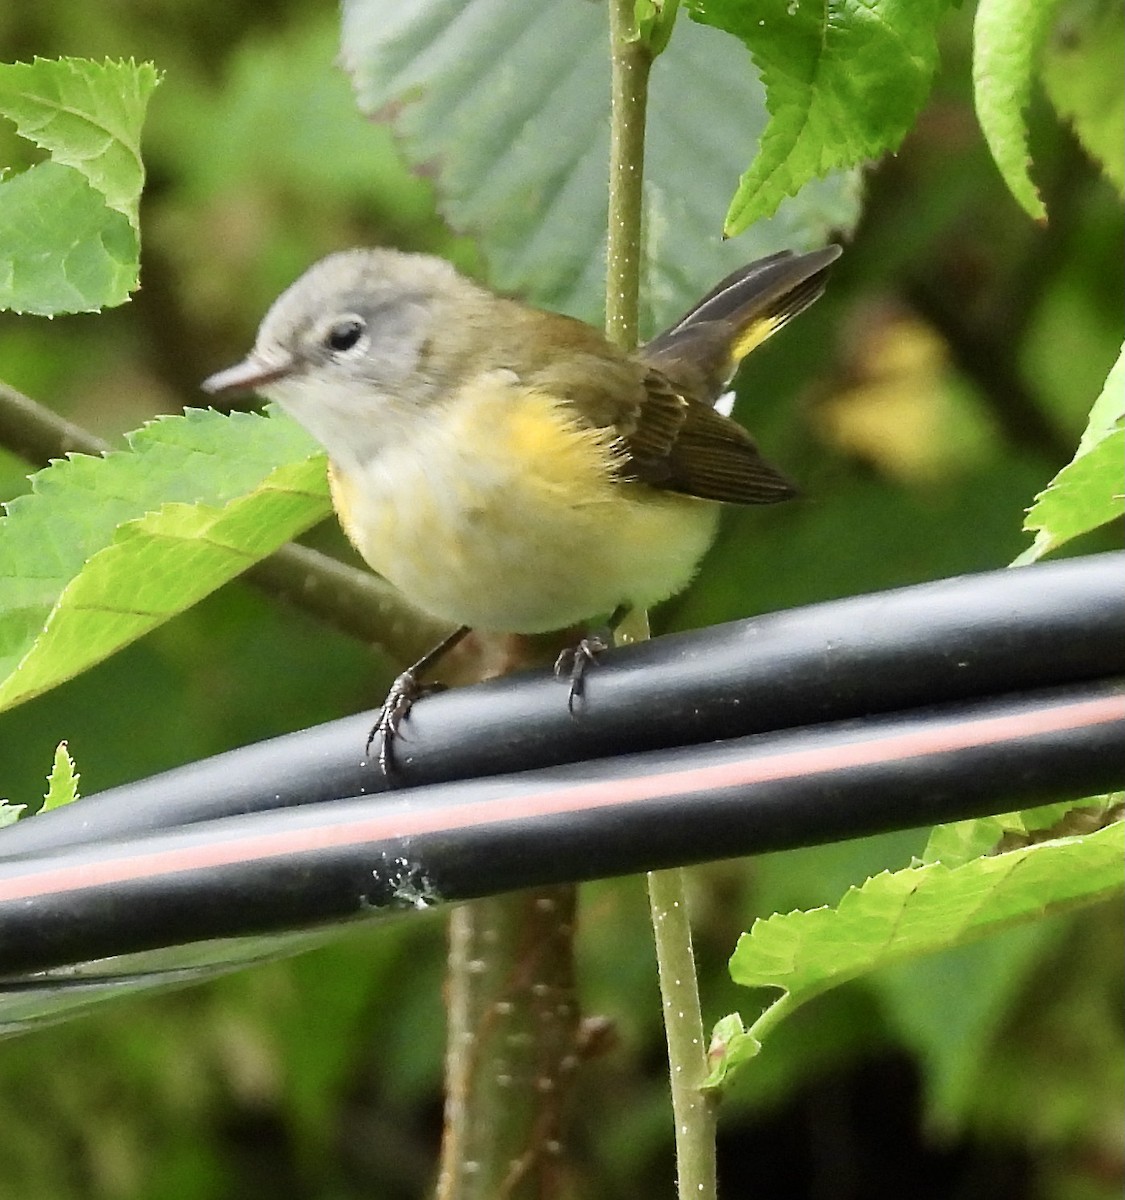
(247, 376)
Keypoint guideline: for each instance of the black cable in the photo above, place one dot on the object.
(956, 639)
(345, 860)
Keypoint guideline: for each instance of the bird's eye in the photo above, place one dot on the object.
(344, 334)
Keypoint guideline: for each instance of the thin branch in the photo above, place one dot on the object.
(37, 434)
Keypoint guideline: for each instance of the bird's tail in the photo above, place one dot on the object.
(739, 313)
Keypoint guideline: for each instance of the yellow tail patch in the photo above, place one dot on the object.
(755, 334)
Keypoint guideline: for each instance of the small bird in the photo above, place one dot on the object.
(509, 469)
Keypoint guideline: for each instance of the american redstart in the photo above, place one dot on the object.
(508, 469)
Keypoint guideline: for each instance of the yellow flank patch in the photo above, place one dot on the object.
(540, 438)
(342, 489)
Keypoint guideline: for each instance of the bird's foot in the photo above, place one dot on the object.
(573, 663)
(405, 692)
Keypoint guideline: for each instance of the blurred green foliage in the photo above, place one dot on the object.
(939, 385)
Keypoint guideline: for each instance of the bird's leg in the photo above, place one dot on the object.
(405, 690)
(573, 663)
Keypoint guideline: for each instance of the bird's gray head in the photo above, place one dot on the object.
(341, 349)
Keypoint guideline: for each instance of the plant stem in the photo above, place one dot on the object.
(693, 1110)
(37, 434)
(630, 63)
(772, 1016)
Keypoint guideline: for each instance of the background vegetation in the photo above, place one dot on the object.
(941, 382)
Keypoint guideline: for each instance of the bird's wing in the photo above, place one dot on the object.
(681, 444)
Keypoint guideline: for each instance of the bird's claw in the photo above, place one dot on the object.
(405, 692)
(575, 661)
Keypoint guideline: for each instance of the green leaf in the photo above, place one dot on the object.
(961, 841)
(844, 82)
(104, 549)
(1090, 490)
(1007, 38)
(731, 1046)
(69, 241)
(62, 783)
(1086, 493)
(86, 115)
(895, 917)
(1082, 75)
(1109, 408)
(10, 813)
(956, 1043)
(61, 249)
(514, 134)
(655, 21)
